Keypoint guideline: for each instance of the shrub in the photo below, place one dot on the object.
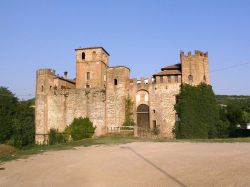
(55, 137)
(79, 129)
(156, 131)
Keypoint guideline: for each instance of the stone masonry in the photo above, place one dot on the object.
(99, 92)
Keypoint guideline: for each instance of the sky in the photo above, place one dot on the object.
(143, 35)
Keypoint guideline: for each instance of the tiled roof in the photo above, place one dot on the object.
(168, 72)
(175, 66)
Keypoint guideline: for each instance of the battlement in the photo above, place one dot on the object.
(46, 71)
(196, 54)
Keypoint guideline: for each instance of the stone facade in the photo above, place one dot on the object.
(99, 92)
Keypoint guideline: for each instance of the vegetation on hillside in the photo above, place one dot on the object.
(235, 110)
(204, 115)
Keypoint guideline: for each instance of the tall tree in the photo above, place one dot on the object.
(8, 110)
(198, 113)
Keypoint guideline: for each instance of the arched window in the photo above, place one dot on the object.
(83, 55)
(42, 88)
(115, 82)
(190, 78)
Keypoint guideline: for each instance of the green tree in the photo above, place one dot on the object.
(16, 119)
(198, 113)
(24, 125)
(8, 110)
(246, 116)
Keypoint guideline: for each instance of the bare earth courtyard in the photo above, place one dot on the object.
(134, 164)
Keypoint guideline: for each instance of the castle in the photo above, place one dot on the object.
(99, 92)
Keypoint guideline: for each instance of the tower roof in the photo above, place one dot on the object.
(92, 48)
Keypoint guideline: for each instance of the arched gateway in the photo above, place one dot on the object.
(143, 116)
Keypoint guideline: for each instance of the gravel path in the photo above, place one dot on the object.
(134, 164)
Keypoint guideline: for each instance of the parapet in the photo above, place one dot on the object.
(45, 71)
(196, 53)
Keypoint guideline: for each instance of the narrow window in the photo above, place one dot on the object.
(115, 82)
(154, 124)
(204, 78)
(190, 78)
(154, 111)
(50, 87)
(87, 85)
(177, 99)
(161, 79)
(88, 75)
(169, 79)
(83, 55)
(94, 55)
(42, 88)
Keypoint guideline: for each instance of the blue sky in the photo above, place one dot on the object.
(141, 34)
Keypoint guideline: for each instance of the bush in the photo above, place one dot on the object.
(79, 129)
(156, 131)
(55, 137)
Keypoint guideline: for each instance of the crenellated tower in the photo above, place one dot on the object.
(194, 68)
(44, 85)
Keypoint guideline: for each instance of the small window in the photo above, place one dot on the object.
(176, 78)
(177, 99)
(94, 55)
(115, 82)
(83, 55)
(87, 86)
(154, 111)
(169, 79)
(204, 78)
(154, 124)
(88, 75)
(50, 87)
(161, 79)
(42, 88)
(190, 78)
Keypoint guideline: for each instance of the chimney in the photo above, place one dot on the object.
(65, 75)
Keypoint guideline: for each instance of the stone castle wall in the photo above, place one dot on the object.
(65, 105)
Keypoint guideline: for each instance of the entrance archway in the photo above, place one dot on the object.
(143, 116)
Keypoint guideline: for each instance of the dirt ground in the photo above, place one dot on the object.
(134, 164)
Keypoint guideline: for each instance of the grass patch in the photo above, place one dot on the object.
(8, 153)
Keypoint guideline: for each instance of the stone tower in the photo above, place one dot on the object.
(91, 65)
(44, 82)
(116, 93)
(195, 68)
